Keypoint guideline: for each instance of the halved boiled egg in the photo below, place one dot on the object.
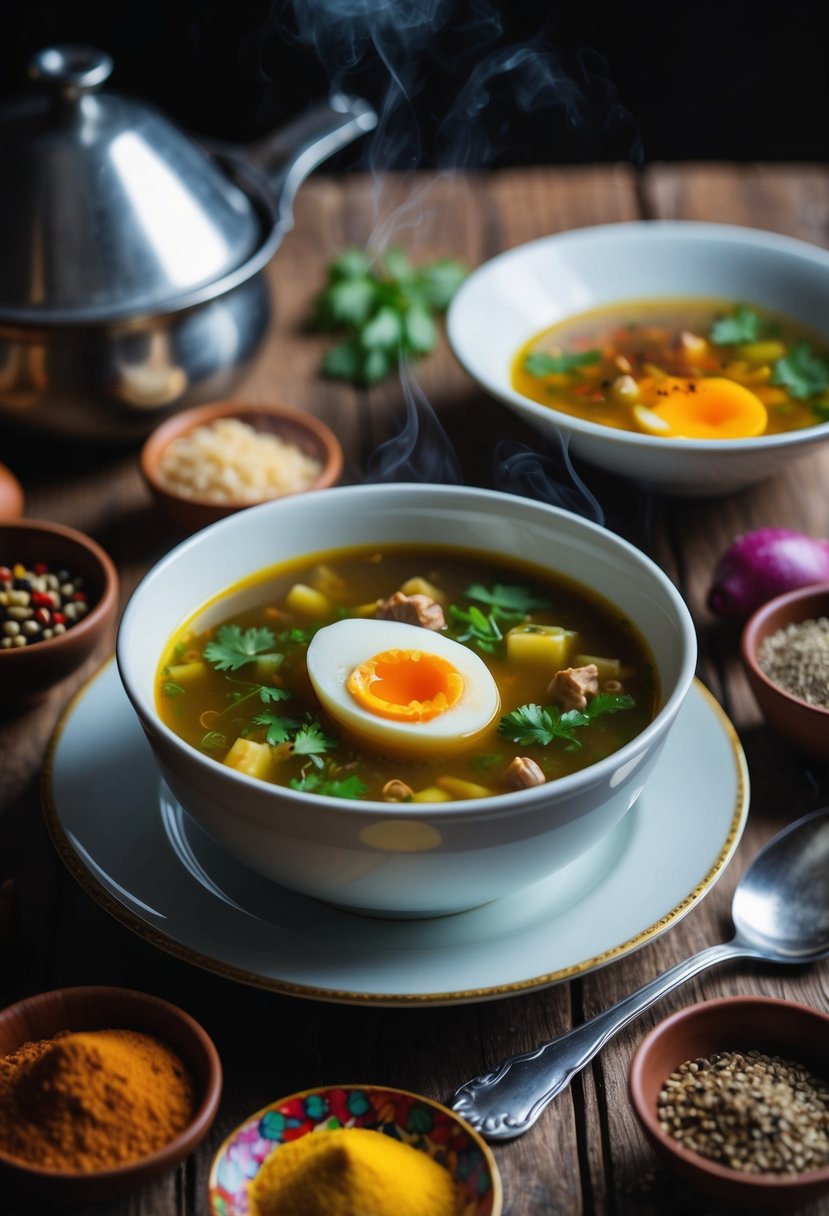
(707, 407)
(400, 686)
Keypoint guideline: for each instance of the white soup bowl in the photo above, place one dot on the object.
(402, 859)
(527, 289)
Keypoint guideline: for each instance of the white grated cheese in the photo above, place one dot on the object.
(229, 461)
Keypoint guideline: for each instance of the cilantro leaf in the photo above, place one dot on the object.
(518, 600)
(385, 311)
(540, 364)
(213, 739)
(268, 695)
(279, 729)
(310, 741)
(477, 628)
(439, 282)
(171, 689)
(349, 787)
(742, 326)
(801, 372)
(232, 649)
(534, 724)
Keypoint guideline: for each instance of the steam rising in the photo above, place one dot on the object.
(520, 470)
(417, 50)
(421, 451)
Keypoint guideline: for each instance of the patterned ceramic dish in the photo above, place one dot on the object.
(411, 1118)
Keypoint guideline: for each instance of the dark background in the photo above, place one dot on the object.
(470, 83)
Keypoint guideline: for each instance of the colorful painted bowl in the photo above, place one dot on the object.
(411, 1118)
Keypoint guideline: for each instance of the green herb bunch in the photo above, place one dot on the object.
(385, 309)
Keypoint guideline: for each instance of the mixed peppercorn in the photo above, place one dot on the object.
(38, 603)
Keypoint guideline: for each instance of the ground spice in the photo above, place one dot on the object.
(351, 1171)
(796, 658)
(753, 1112)
(92, 1100)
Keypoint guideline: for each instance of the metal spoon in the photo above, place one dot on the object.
(781, 915)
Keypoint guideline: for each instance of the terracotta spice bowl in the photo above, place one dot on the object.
(99, 1008)
(295, 427)
(27, 672)
(787, 1029)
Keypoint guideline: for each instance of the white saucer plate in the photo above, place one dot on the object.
(133, 849)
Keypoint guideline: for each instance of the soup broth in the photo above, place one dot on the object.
(267, 687)
(680, 368)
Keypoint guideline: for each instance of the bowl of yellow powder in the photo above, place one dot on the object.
(352, 1149)
(101, 1089)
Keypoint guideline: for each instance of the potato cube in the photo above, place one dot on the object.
(421, 586)
(182, 672)
(459, 788)
(253, 759)
(307, 601)
(544, 646)
(327, 581)
(431, 794)
(608, 669)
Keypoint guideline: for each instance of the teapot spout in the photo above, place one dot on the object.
(290, 154)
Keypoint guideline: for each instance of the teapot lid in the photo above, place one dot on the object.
(107, 210)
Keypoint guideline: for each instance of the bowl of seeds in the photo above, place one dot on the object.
(58, 605)
(733, 1094)
(785, 650)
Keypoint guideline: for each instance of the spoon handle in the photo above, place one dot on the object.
(506, 1101)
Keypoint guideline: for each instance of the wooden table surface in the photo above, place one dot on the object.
(586, 1154)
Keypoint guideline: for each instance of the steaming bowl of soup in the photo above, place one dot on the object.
(415, 857)
(566, 299)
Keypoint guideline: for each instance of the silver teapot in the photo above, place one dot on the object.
(132, 258)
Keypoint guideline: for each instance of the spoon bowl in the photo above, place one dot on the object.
(780, 911)
(781, 904)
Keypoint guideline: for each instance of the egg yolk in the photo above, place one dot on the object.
(406, 685)
(708, 408)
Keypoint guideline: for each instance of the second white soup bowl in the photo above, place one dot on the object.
(402, 859)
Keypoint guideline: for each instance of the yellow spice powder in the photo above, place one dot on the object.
(352, 1171)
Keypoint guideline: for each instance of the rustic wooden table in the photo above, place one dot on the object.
(586, 1153)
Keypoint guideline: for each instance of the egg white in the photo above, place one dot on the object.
(336, 650)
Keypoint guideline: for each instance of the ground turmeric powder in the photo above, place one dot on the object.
(351, 1171)
(92, 1100)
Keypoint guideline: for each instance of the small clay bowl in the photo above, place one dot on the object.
(805, 726)
(28, 671)
(11, 495)
(304, 430)
(90, 1008)
(742, 1023)
(440, 1132)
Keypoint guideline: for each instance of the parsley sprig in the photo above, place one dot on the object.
(744, 325)
(801, 372)
(385, 310)
(507, 605)
(315, 783)
(232, 649)
(541, 364)
(540, 725)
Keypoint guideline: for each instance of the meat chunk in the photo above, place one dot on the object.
(411, 610)
(572, 687)
(523, 773)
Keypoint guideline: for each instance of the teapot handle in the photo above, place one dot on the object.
(290, 154)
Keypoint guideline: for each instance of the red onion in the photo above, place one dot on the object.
(762, 564)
